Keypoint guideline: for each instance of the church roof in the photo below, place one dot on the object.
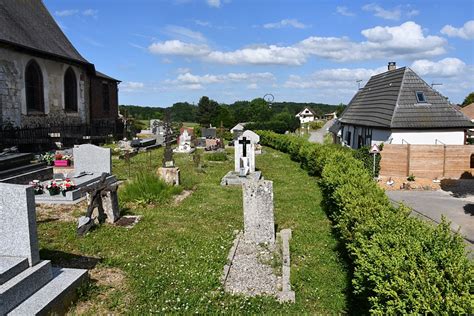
(27, 24)
(401, 99)
(104, 76)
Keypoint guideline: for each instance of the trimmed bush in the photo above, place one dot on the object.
(148, 188)
(401, 265)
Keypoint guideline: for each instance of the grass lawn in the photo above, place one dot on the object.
(172, 260)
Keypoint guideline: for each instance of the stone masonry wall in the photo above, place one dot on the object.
(13, 95)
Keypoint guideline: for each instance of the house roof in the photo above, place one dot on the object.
(389, 100)
(312, 113)
(104, 76)
(468, 110)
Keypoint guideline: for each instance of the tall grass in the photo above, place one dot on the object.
(148, 188)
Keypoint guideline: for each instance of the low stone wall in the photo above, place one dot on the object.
(427, 161)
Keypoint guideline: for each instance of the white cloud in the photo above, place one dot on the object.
(203, 23)
(184, 33)
(183, 70)
(342, 10)
(465, 32)
(131, 86)
(66, 12)
(286, 23)
(406, 41)
(393, 14)
(90, 12)
(190, 81)
(447, 67)
(252, 86)
(214, 3)
(178, 48)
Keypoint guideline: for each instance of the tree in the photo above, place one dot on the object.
(340, 108)
(224, 116)
(259, 110)
(207, 111)
(183, 112)
(468, 100)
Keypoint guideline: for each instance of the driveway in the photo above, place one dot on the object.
(433, 204)
(318, 136)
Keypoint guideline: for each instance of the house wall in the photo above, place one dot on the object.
(428, 137)
(427, 161)
(13, 93)
(306, 119)
(97, 108)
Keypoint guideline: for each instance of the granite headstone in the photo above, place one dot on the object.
(92, 159)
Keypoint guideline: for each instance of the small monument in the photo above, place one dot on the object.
(168, 172)
(184, 142)
(29, 285)
(244, 160)
(248, 270)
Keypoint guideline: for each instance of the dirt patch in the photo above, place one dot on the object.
(179, 198)
(127, 221)
(107, 282)
(401, 183)
(59, 212)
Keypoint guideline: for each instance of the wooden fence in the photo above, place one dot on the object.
(427, 161)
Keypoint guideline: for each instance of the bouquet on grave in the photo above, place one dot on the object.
(37, 186)
(53, 188)
(48, 157)
(63, 157)
(67, 185)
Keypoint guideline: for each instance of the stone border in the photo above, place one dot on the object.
(286, 294)
(230, 257)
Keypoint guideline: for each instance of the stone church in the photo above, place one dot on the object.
(48, 91)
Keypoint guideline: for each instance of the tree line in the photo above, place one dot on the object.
(277, 116)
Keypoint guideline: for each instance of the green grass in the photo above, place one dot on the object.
(174, 257)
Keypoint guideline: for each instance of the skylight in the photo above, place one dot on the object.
(420, 97)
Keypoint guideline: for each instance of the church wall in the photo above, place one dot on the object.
(13, 93)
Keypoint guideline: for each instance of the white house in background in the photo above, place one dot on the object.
(238, 128)
(306, 115)
(399, 107)
(330, 116)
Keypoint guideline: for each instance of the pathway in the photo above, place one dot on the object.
(318, 135)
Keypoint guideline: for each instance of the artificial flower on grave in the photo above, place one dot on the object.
(37, 186)
(53, 188)
(67, 185)
(48, 157)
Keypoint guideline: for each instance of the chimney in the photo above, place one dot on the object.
(392, 65)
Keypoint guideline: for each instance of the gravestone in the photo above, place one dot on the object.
(259, 223)
(209, 132)
(92, 159)
(156, 127)
(18, 229)
(168, 172)
(28, 285)
(244, 153)
(184, 142)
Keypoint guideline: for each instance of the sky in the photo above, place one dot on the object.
(301, 50)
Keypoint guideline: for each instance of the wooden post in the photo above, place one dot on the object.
(408, 160)
(444, 160)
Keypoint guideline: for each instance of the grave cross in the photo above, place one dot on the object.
(244, 143)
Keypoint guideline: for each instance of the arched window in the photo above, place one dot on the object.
(70, 91)
(34, 87)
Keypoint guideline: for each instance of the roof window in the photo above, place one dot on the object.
(420, 97)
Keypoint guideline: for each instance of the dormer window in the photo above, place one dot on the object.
(420, 97)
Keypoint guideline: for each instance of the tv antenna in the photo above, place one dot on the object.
(358, 83)
(269, 98)
(435, 84)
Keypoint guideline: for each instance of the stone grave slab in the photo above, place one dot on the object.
(259, 223)
(92, 159)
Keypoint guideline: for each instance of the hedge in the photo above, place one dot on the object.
(401, 265)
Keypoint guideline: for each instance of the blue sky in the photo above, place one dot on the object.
(305, 51)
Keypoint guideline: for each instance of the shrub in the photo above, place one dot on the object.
(367, 158)
(147, 188)
(219, 156)
(411, 178)
(401, 265)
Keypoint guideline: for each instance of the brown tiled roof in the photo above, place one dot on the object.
(468, 110)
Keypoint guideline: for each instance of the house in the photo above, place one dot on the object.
(238, 128)
(399, 107)
(330, 116)
(48, 91)
(468, 110)
(306, 115)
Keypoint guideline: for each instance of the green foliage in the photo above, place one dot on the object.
(141, 112)
(316, 124)
(411, 177)
(401, 264)
(468, 99)
(147, 188)
(207, 111)
(219, 156)
(367, 159)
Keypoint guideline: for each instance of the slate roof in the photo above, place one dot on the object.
(388, 100)
(28, 24)
(102, 75)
